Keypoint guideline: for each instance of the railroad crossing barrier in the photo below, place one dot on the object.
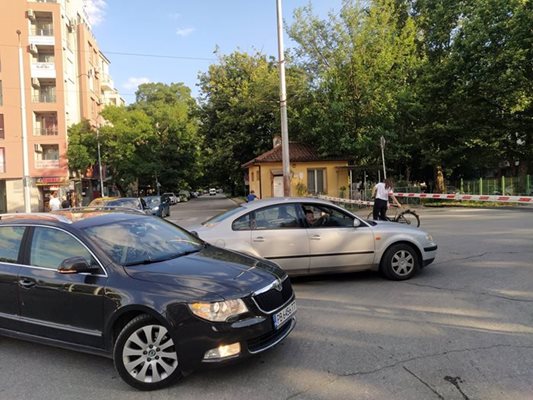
(444, 196)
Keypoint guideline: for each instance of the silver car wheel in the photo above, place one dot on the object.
(402, 262)
(149, 355)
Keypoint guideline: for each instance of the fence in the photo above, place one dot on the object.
(507, 186)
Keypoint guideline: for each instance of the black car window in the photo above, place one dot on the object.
(324, 216)
(281, 216)
(10, 239)
(50, 247)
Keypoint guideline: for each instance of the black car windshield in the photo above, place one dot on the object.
(125, 202)
(152, 201)
(223, 216)
(143, 241)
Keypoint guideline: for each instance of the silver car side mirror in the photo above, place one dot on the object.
(356, 222)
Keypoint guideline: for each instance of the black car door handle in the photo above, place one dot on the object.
(27, 283)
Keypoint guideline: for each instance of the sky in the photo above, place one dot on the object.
(175, 40)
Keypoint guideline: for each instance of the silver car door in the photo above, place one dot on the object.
(279, 234)
(334, 242)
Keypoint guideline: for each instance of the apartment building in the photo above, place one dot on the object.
(61, 78)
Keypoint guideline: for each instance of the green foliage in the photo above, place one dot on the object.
(82, 148)
(364, 63)
(240, 113)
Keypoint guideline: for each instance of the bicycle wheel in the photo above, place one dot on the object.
(408, 217)
(371, 215)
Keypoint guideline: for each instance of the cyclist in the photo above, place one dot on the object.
(381, 193)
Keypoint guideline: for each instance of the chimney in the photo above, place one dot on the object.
(276, 141)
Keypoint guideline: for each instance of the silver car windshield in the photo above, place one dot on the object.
(143, 241)
(220, 217)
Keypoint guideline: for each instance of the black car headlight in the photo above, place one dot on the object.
(219, 311)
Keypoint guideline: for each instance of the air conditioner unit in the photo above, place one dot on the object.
(31, 15)
(37, 148)
(33, 49)
(70, 26)
(35, 82)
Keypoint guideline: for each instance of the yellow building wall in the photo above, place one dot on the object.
(335, 178)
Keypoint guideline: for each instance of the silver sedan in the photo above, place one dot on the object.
(311, 236)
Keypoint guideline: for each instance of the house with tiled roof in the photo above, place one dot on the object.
(310, 172)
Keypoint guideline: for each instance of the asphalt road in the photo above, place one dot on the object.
(462, 329)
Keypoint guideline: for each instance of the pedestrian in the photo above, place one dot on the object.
(54, 203)
(251, 197)
(381, 193)
(65, 203)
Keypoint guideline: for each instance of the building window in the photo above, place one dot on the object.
(253, 176)
(1, 95)
(316, 181)
(45, 124)
(46, 155)
(2, 160)
(2, 126)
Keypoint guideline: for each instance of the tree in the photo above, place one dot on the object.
(240, 112)
(476, 86)
(364, 63)
(81, 152)
(177, 160)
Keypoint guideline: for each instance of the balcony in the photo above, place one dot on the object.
(46, 163)
(42, 30)
(106, 83)
(43, 70)
(46, 131)
(44, 97)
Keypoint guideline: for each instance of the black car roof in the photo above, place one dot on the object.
(78, 217)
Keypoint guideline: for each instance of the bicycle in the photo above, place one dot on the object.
(407, 216)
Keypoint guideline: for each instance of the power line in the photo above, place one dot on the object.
(159, 56)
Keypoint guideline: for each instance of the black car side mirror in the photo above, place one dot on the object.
(75, 265)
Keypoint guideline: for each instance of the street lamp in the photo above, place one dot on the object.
(24, 132)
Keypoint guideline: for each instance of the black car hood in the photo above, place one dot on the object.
(224, 273)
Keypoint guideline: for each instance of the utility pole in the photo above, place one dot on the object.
(382, 143)
(24, 133)
(99, 161)
(283, 107)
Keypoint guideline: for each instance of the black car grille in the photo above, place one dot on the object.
(273, 299)
(270, 339)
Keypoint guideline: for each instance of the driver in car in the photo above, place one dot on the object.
(310, 217)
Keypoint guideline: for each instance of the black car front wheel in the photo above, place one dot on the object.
(145, 355)
(400, 262)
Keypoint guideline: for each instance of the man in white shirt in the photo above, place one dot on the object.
(55, 203)
(381, 193)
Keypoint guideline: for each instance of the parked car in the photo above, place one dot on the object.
(185, 195)
(139, 289)
(173, 198)
(159, 205)
(136, 203)
(330, 239)
(212, 192)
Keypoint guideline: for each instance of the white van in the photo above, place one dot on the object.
(212, 192)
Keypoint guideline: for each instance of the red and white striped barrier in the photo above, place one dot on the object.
(473, 197)
(439, 196)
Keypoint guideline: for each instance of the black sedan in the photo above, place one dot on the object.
(159, 205)
(138, 289)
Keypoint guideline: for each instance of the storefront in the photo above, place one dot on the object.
(49, 184)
